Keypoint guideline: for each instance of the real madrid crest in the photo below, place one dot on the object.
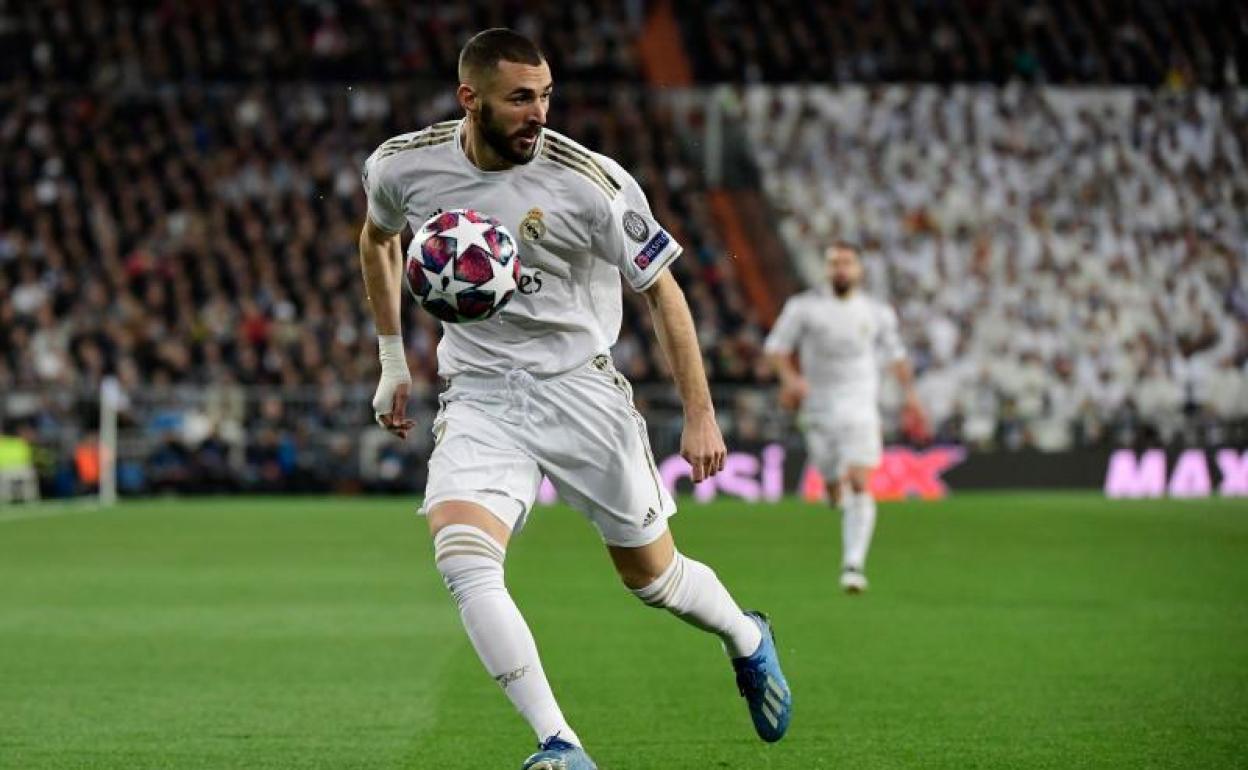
(635, 226)
(532, 228)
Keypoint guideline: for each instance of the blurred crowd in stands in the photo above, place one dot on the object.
(138, 43)
(209, 235)
(179, 205)
(206, 234)
(1065, 263)
(1175, 42)
(135, 44)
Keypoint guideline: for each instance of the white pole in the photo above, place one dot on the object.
(713, 151)
(110, 400)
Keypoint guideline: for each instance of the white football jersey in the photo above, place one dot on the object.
(840, 344)
(578, 219)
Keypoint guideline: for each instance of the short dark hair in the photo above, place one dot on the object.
(486, 49)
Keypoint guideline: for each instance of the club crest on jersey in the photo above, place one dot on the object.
(532, 228)
(635, 226)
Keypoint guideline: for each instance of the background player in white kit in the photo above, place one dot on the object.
(533, 390)
(841, 335)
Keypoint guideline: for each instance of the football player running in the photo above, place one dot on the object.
(840, 335)
(533, 391)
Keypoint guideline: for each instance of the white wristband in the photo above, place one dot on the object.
(393, 359)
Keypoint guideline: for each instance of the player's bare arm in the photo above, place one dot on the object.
(701, 444)
(914, 419)
(381, 261)
(793, 386)
(905, 378)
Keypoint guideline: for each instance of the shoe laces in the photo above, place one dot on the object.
(750, 681)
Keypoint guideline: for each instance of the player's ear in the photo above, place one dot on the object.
(468, 98)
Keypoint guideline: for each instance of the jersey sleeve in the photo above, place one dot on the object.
(888, 338)
(631, 238)
(385, 205)
(784, 335)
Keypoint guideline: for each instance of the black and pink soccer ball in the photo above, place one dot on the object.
(462, 266)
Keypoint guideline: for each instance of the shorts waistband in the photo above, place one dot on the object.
(519, 379)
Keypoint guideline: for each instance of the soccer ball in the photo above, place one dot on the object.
(462, 266)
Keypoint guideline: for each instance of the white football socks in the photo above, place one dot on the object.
(857, 527)
(692, 592)
(471, 563)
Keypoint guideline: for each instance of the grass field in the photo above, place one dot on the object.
(1001, 631)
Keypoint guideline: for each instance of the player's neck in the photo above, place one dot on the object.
(479, 152)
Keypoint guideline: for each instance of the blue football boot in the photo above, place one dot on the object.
(557, 754)
(763, 686)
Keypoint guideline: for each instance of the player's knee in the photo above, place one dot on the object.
(637, 573)
(470, 562)
(636, 578)
(857, 482)
(668, 589)
(638, 567)
(834, 492)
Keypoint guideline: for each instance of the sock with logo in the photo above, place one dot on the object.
(471, 563)
(692, 592)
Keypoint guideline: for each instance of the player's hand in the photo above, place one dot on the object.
(390, 400)
(390, 407)
(793, 393)
(914, 422)
(702, 445)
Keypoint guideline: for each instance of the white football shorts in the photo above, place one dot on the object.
(834, 447)
(496, 436)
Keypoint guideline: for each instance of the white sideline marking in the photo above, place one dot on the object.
(46, 510)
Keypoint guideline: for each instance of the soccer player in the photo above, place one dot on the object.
(533, 391)
(840, 334)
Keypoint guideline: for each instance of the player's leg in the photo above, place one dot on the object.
(478, 493)
(835, 487)
(860, 453)
(663, 577)
(857, 526)
(604, 468)
(860, 516)
(825, 447)
(469, 545)
(602, 465)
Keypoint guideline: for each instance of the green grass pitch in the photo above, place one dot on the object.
(1011, 631)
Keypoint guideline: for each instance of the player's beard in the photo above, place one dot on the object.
(842, 286)
(502, 143)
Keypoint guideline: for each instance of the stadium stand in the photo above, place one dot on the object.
(211, 233)
(978, 41)
(1067, 263)
(185, 215)
(206, 234)
(127, 44)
